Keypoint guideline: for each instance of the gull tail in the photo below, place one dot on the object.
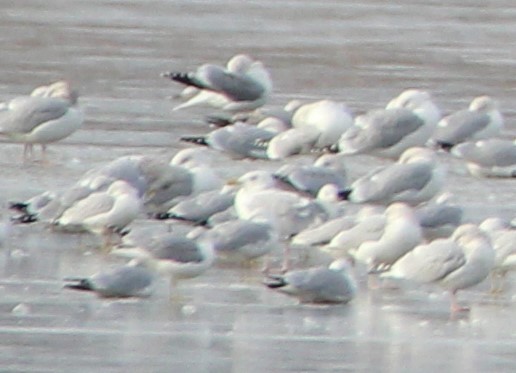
(199, 140)
(24, 218)
(19, 206)
(219, 121)
(183, 78)
(79, 284)
(444, 145)
(275, 282)
(344, 194)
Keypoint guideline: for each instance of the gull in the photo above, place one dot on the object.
(197, 161)
(173, 256)
(157, 183)
(200, 208)
(327, 118)
(488, 158)
(333, 284)
(288, 212)
(239, 140)
(48, 115)
(416, 177)
(105, 212)
(130, 280)
(241, 240)
(407, 121)
(439, 217)
(481, 120)
(401, 234)
(327, 169)
(244, 85)
(459, 262)
(367, 225)
(503, 238)
(262, 117)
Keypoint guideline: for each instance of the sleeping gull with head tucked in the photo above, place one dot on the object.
(459, 262)
(327, 119)
(488, 158)
(327, 169)
(407, 121)
(130, 280)
(481, 120)
(333, 284)
(416, 177)
(243, 85)
(48, 115)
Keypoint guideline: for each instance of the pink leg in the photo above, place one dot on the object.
(455, 306)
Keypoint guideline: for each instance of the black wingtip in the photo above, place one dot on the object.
(446, 146)
(218, 121)
(18, 206)
(344, 194)
(163, 216)
(183, 78)
(24, 219)
(79, 284)
(198, 140)
(274, 282)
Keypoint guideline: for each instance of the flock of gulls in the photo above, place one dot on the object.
(394, 222)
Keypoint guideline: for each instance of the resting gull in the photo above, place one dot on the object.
(244, 85)
(481, 120)
(417, 177)
(327, 169)
(489, 158)
(328, 119)
(439, 217)
(130, 280)
(333, 284)
(408, 120)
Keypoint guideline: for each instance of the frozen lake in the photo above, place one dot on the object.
(114, 52)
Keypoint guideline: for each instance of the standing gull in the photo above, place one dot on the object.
(241, 240)
(47, 116)
(400, 235)
(171, 255)
(503, 238)
(459, 262)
